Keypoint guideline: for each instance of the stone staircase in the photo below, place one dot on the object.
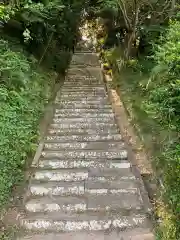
(83, 186)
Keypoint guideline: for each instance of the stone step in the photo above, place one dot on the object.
(132, 234)
(74, 223)
(81, 86)
(83, 65)
(73, 175)
(82, 104)
(60, 175)
(84, 99)
(76, 72)
(85, 60)
(84, 145)
(82, 131)
(84, 125)
(104, 175)
(82, 83)
(86, 154)
(83, 111)
(84, 91)
(74, 94)
(83, 75)
(84, 88)
(83, 138)
(101, 177)
(80, 188)
(70, 78)
(89, 202)
(83, 80)
(81, 98)
(82, 116)
(56, 204)
(98, 187)
(115, 202)
(87, 97)
(83, 120)
(56, 189)
(81, 163)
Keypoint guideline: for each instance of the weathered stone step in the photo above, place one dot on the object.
(81, 163)
(89, 202)
(84, 145)
(115, 202)
(89, 89)
(84, 111)
(82, 86)
(84, 91)
(46, 223)
(82, 102)
(84, 79)
(84, 65)
(86, 154)
(84, 125)
(84, 99)
(108, 177)
(56, 189)
(87, 72)
(71, 96)
(83, 120)
(81, 98)
(85, 60)
(82, 131)
(82, 105)
(60, 175)
(81, 116)
(76, 75)
(82, 83)
(111, 187)
(80, 188)
(70, 78)
(132, 234)
(71, 175)
(56, 204)
(83, 138)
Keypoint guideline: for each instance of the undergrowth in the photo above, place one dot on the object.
(24, 90)
(151, 88)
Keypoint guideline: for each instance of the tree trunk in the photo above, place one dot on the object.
(132, 37)
(173, 5)
(46, 48)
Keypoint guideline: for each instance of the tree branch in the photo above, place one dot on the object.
(125, 15)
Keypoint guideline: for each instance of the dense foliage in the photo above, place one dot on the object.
(133, 23)
(33, 33)
(164, 104)
(48, 29)
(24, 90)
